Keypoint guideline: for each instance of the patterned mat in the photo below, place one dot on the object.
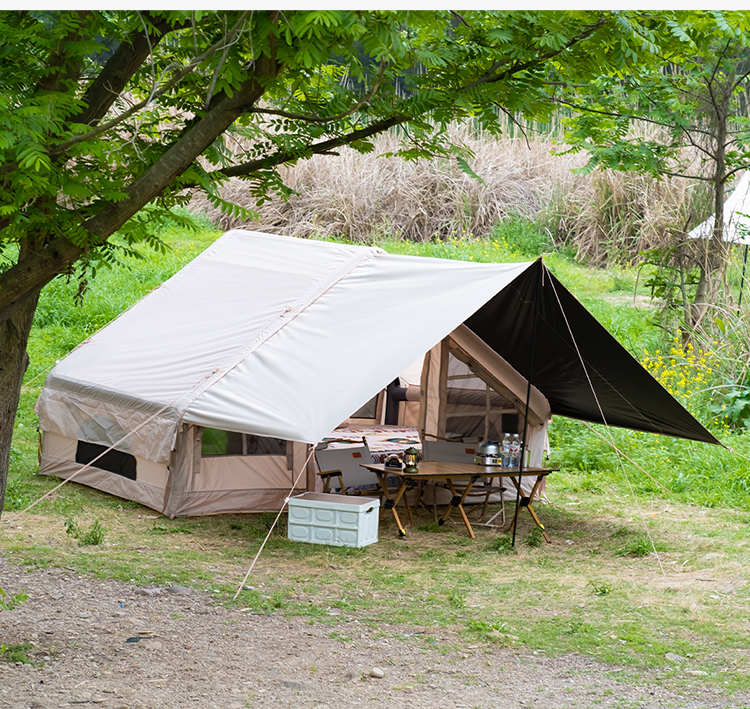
(382, 441)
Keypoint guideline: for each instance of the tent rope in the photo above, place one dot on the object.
(273, 526)
(90, 463)
(630, 460)
(741, 455)
(604, 419)
(26, 385)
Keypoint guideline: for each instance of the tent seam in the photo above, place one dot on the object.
(273, 328)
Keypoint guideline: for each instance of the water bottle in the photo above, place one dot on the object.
(506, 451)
(515, 447)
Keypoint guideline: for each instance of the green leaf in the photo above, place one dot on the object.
(466, 169)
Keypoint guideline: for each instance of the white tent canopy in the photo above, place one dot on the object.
(736, 216)
(252, 337)
(203, 397)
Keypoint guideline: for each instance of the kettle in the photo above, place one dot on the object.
(489, 448)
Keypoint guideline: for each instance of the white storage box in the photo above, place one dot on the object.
(336, 520)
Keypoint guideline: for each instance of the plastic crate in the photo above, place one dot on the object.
(335, 520)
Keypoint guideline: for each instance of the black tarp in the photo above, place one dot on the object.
(626, 394)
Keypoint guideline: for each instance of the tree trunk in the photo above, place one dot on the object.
(713, 264)
(14, 334)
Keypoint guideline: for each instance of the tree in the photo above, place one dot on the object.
(696, 104)
(108, 119)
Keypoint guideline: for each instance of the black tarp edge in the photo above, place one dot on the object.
(628, 395)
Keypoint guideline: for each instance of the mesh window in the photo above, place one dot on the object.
(368, 411)
(467, 412)
(215, 442)
(113, 461)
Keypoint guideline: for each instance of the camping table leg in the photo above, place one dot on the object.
(526, 502)
(458, 503)
(391, 502)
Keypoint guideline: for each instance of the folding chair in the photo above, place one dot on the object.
(344, 464)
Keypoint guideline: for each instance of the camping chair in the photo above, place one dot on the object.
(458, 452)
(344, 464)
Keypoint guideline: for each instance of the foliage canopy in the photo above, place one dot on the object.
(106, 114)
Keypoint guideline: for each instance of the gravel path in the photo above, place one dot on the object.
(116, 646)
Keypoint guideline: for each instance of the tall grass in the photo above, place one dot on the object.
(598, 217)
(662, 467)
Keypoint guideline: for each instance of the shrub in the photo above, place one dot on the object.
(91, 537)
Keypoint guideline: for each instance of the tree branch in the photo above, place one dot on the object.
(326, 119)
(40, 267)
(687, 177)
(316, 149)
(492, 75)
(119, 69)
(701, 148)
(513, 120)
(104, 127)
(733, 171)
(614, 114)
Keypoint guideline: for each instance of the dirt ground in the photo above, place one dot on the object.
(115, 645)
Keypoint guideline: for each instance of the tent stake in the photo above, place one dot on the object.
(522, 450)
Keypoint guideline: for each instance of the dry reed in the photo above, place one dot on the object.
(602, 215)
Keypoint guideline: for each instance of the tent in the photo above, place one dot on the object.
(210, 389)
(736, 216)
(736, 222)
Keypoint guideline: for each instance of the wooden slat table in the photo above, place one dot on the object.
(448, 472)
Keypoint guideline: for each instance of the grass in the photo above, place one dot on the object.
(599, 589)
(16, 653)
(86, 537)
(9, 603)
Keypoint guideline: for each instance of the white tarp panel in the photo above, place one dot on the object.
(257, 333)
(287, 388)
(736, 216)
(239, 289)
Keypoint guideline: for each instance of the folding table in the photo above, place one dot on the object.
(448, 472)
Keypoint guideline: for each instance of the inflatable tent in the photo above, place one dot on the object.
(205, 396)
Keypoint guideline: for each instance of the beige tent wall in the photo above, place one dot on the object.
(433, 391)
(232, 483)
(408, 412)
(191, 485)
(59, 459)
(465, 390)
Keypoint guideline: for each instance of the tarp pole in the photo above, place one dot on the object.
(522, 450)
(742, 280)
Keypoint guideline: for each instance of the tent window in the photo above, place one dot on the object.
(473, 408)
(217, 442)
(113, 461)
(369, 410)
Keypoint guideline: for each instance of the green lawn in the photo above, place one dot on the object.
(598, 589)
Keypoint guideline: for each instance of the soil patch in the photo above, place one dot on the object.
(120, 646)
